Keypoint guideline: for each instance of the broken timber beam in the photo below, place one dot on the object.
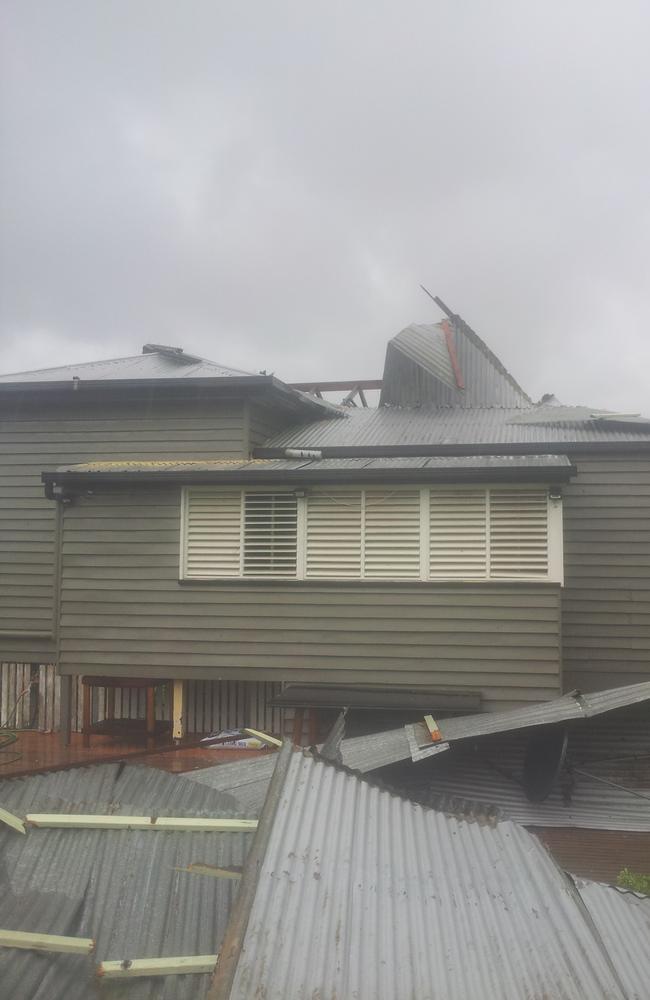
(177, 823)
(46, 942)
(264, 737)
(130, 968)
(199, 868)
(434, 729)
(15, 822)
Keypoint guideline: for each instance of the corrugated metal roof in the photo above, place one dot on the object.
(486, 777)
(424, 360)
(118, 887)
(622, 919)
(569, 706)
(246, 780)
(363, 894)
(425, 343)
(465, 784)
(485, 376)
(313, 467)
(457, 427)
(165, 365)
(365, 753)
(154, 365)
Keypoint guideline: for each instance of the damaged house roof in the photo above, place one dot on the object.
(351, 891)
(347, 890)
(446, 363)
(604, 786)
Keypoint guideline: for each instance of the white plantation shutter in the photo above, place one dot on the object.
(392, 534)
(348, 533)
(212, 533)
(270, 534)
(333, 534)
(519, 536)
(457, 534)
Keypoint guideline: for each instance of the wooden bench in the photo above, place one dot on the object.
(110, 684)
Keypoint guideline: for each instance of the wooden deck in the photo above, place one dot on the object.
(35, 752)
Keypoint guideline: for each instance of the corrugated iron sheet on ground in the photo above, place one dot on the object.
(484, 777)
(246, 780)
(364, 894)
(365, 753)
(118, 887)
(623, 921)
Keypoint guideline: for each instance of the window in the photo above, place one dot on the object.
(350, 533)
(270, 534)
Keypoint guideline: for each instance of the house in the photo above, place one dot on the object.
(458, 543)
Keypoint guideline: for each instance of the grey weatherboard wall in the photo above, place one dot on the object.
(606, 598)
(43, 434)
(124, 611)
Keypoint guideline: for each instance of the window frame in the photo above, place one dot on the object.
(555, 534)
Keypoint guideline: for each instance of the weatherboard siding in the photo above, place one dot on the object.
(606, 599)
(77, 432)
(123, 611)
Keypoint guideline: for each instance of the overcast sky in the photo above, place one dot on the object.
(267, 183)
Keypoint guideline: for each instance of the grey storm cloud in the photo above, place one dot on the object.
(267, 183)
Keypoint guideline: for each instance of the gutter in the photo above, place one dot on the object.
(81, 482)
(227, 385)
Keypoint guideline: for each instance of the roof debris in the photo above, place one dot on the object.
(358, 892)
(367, 753)
(346, 889)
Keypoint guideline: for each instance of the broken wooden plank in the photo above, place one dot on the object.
(199, 868)
(130, 968)
(434, 728)
(270, 740)
(177, 823)
(46, 942)
(15, 822)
